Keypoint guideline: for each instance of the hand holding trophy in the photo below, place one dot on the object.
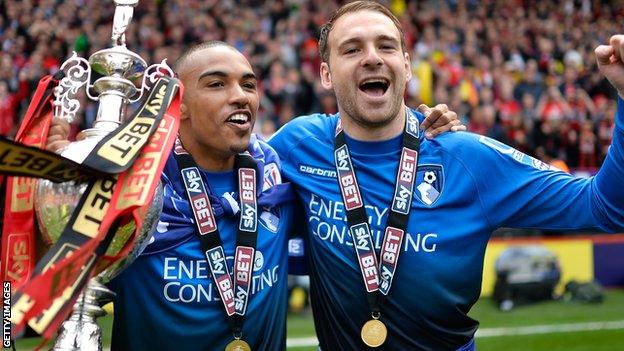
(98, 202)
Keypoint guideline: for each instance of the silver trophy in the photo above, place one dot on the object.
(54, 203)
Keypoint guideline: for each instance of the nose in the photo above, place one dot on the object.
(238, 96)
(372, 58)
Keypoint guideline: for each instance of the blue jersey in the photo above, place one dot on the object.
(166, 300)
(467, 186)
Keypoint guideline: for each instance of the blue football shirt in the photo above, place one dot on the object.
(166, 299)
(467, 186)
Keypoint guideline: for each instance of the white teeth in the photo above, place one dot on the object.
(239, 117)
(383, 81)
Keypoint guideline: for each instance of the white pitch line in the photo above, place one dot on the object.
(302, 342)
(508, 331)
(549, 328)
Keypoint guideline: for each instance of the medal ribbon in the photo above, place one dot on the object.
(234, 294)
(378, 277)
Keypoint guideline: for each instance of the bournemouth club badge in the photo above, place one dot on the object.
(429, 183)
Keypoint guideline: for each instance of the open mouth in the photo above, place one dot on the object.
(374, 87)
(239, 118)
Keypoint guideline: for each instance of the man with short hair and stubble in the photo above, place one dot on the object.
(397, 223)
(167, 298)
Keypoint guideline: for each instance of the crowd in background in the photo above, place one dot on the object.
(522, 72)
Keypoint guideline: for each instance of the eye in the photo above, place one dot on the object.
(215, 84)
(387, 47)
(249, 85)
(350, 51)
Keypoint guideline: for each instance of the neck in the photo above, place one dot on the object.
(366, 132)
(208, 159)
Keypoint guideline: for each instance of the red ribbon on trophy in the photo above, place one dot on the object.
(18, 231)
(47, 298)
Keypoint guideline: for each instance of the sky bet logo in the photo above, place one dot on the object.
(389, 257)
(247, 190)
(403, 193)
(199, 200)
(221, 276)
(366, 256)
(347, 180)
(244, 263)
(178, 148)
(412, 125)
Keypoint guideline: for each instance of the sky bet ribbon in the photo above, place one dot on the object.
(31, 161)
(378, 278)
(234, 295)
(24, 162)
(112, 155)
(137, 186)
(66, 267)
(17, 211)
(116, 151)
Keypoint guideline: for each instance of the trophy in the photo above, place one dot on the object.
(120, 70)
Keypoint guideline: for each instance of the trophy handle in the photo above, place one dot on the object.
(150, 77)
(77, 74)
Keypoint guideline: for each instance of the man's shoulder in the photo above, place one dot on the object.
(458, 142)
(479, 152)
(471, 150)
(316, 125)
(261, 150)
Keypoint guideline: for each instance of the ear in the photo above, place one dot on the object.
(184, 111)
(326, 81)
(408, 66)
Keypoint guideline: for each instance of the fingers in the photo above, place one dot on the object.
(439, 120)
(453, 125)
(613, 43)
(57, 135)
(459, 128)
(59, 127)
(56, 145)
(426, 111)
(436, 117)
(612, 53)
(617, 43)
(603, 54)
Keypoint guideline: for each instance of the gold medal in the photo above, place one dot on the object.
(374, 333)
(237, 345)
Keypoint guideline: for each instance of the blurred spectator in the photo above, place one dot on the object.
(587, 146)
(8, 104)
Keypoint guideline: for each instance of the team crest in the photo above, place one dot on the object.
(429, 183)
(269, 218)
(271, 176)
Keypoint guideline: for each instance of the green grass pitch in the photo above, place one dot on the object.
(553, 313)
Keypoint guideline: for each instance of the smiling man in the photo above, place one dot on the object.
(168, 299)
(398, 224)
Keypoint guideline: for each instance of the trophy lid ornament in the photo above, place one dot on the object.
(121, 20)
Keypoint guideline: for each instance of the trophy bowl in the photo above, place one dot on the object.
(55, 203)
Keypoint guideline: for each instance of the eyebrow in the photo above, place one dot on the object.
(223, 74)
(382, 37)
(388, 38)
